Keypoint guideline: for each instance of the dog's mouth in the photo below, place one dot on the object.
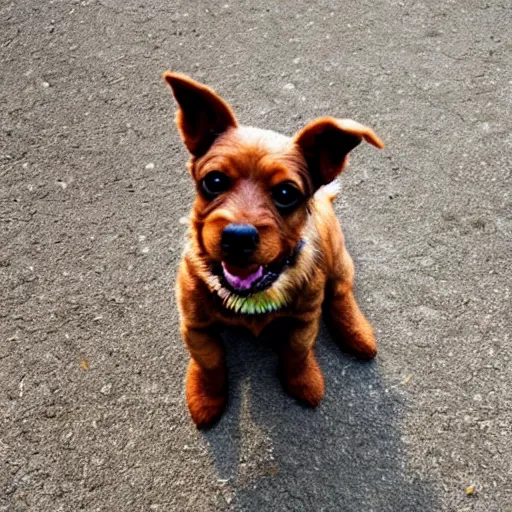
(252, 279)
(242, 279)
(248, 280)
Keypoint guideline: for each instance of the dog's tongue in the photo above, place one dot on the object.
(241, 278)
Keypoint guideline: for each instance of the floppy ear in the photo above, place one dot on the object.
(202, 115)
(326, 143)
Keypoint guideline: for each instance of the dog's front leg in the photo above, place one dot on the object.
(348, 324)
(302, 377)
(206, 384)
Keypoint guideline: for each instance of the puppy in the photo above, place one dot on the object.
(265, 251)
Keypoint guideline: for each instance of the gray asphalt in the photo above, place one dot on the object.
(93, 187)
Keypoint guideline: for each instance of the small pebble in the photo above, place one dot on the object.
(106, 389)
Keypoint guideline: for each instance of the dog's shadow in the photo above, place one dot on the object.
(274, 454)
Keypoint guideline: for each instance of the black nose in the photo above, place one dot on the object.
(239, 239)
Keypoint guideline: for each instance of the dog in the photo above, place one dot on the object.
(265, 249)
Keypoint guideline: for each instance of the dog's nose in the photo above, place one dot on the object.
(239, 239)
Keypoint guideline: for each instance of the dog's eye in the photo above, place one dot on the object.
(214, 184)
(286, 197)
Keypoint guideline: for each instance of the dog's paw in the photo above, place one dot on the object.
(205, 410)
(206, 397)
(360, 343)
(306, 384)
(355, 338)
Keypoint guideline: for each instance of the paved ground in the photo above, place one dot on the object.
(92, 187)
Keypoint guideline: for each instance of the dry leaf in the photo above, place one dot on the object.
(272, 470)
(470, 490)
(84, 364)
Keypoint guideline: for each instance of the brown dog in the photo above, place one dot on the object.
(265, 250)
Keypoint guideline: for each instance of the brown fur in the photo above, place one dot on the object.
(256, 160)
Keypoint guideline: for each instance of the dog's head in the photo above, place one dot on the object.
(254, 186)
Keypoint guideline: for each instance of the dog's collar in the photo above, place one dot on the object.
(290, 261)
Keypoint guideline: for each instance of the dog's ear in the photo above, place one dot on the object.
(202, 115)
(326, 143)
